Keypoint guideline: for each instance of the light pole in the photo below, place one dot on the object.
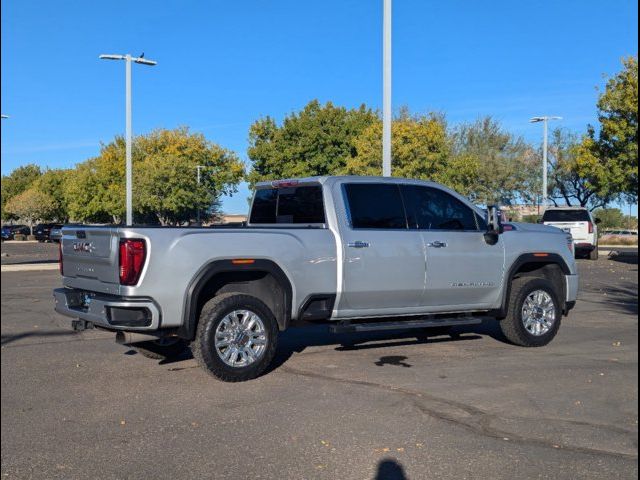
(198, 169)
(545, 144)
(129, 176)
(386, 89)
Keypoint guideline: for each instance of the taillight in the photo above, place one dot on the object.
(590, 227)
(132, 256)
(60, 257)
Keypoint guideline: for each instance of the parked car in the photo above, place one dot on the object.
(42, 231)
(55, 234)
(580, 223)
(10, 231)
(361, 253)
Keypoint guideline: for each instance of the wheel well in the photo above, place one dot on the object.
(529, 266)
(549, 271)
(262, 280)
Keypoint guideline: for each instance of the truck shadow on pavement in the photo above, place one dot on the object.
(7, 339)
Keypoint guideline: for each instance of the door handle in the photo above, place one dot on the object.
(437, 244)
(358, 244)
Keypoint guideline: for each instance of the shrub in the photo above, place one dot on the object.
(19, 237)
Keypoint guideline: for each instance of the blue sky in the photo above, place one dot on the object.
(222, 65)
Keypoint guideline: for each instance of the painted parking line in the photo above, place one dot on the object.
(29, 267)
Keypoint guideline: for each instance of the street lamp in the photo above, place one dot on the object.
(545, 143)
(386, 89)
(129, 176)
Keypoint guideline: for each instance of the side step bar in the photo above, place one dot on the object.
(348, 326)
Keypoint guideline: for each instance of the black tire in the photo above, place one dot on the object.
(203, 347)
(513, 327)
(593, 254)
(162, 349)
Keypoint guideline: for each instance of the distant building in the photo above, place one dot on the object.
(232, 218)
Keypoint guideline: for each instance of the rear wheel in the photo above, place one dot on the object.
(163, 348)
(236, 337)
(534, 313)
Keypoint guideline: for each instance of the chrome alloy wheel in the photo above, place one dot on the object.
(538, 313)
(240, 338)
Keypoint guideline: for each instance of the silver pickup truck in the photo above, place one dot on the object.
(360, 253)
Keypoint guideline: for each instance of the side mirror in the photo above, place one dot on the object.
(494, 225)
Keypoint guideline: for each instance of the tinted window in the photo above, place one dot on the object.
(264, 206)
(375, 205)
(300, 205)
(294, 205)
(566, 216)
(432, 209)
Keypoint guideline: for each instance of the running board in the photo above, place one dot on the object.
(348, 327)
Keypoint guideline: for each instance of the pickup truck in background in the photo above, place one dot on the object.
(360, 253)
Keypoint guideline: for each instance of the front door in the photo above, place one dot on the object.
(463, 270)
(383, 260)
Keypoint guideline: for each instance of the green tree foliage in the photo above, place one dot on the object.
(17, 182)
(53, 183)
(316, 141)
(31, 205)
(608, 161)
(567, 186)
(610, 218)
(507, 166)
(165, 183)
(420, 149)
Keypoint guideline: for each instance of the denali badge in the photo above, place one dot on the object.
(83, 247)
(472, 284)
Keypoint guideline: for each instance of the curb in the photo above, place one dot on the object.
(29, 267)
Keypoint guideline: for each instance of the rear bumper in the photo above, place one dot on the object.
(584, 246)
(108, 311)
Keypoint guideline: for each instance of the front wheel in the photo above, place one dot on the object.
(236, 337)
(534, 312)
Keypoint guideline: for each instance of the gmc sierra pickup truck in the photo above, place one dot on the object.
(360, 253)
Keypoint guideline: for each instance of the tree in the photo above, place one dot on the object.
(607, 161)
(567, 184)
(53, 183)
(507, 166)
(31, 206)
(610, 218)
(420, 149)
(618, 139)
(17, 182)
(316, 141)
(165, 185)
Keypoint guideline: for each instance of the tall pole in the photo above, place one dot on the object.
(545, 146)
(386, 91)
(198, 167)
(129, 176)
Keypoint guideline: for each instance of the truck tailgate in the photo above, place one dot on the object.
(90, 258)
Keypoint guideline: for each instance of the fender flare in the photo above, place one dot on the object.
(549, 258)
(213, 268)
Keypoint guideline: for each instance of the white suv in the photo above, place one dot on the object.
(579, 222)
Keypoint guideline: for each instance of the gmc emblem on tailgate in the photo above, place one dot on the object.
(83, 247)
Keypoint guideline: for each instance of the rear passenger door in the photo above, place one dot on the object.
(462, 269)
(383, 260)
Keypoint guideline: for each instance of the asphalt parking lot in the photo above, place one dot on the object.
(383, 405)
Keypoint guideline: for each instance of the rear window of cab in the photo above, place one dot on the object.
(288, 205)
